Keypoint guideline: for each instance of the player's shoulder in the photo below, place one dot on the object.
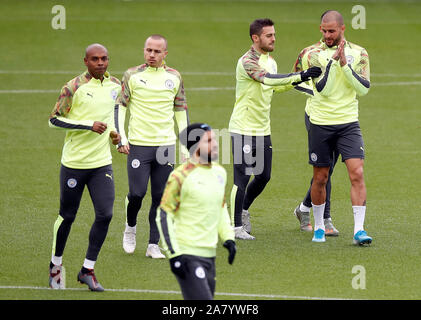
(314, 46)
(115, 80)
(172, 71)
(183, 171)
(356, 47)
(74, 84)
(134, 70)
(250, 55)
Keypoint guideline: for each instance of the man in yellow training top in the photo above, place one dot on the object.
(154, 95)
(193, 213)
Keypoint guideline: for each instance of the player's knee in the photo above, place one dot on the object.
(104, 216)
(263, 178)
(356, 175)
(320, 178)
(136, 198)
(68, 215)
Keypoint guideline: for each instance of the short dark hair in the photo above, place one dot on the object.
(158, 37)
(257, 25)
(335, 15)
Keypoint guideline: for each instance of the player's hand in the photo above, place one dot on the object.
(312, 72)
(179, 266)
(232, 250)
(342, 58)
(99, 127)
(124, 149)
(115, 137)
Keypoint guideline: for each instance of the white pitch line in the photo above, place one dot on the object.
(189, 73)
(250, 295)
(56, 91)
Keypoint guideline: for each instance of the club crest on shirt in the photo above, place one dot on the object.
(220, 179)
(71, 183)
(349, 59)
(113, 94)
(169, 84)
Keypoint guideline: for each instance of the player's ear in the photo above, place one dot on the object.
(85, 60)
(254, 38)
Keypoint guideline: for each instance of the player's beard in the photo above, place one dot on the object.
(208, 157)
(335, 42)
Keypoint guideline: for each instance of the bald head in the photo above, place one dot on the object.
(332, 16)
(94, 48)
(96, 59)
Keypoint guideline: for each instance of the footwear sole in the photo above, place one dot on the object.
(362, 243)
(318, 240)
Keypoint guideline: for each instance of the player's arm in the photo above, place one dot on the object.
(324, 85)
(181, 115)
(302, 87)
(226, 233)
(120, 111)
(225, 229)
(259, 74)
(359, 78)
(58, 118)
(166, 211)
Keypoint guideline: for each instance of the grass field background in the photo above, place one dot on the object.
(205, 40)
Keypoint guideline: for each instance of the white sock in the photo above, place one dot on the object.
(130, 229)
(359, 215)
(89, 264)
(318, 211)
(57, 260)
(304, 208)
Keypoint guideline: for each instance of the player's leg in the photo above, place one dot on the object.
(138, 172)
(351, 146)
(160, 171)
(194, 282)
(330, 229)
(102, 192)
(241, 179)
(72, 183)
(262, 152)
(321, 142)
(302, 211)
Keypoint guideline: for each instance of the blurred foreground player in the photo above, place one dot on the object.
(193, 213)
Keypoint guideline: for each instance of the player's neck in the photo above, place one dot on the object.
(258, 49)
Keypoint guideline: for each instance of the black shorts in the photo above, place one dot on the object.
(323, 140)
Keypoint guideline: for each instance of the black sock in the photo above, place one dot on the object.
(85, 270)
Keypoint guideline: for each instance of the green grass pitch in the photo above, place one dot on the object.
(205, 40)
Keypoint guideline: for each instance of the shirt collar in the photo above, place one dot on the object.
(89, 77)
(163, 66)
(208, 165)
